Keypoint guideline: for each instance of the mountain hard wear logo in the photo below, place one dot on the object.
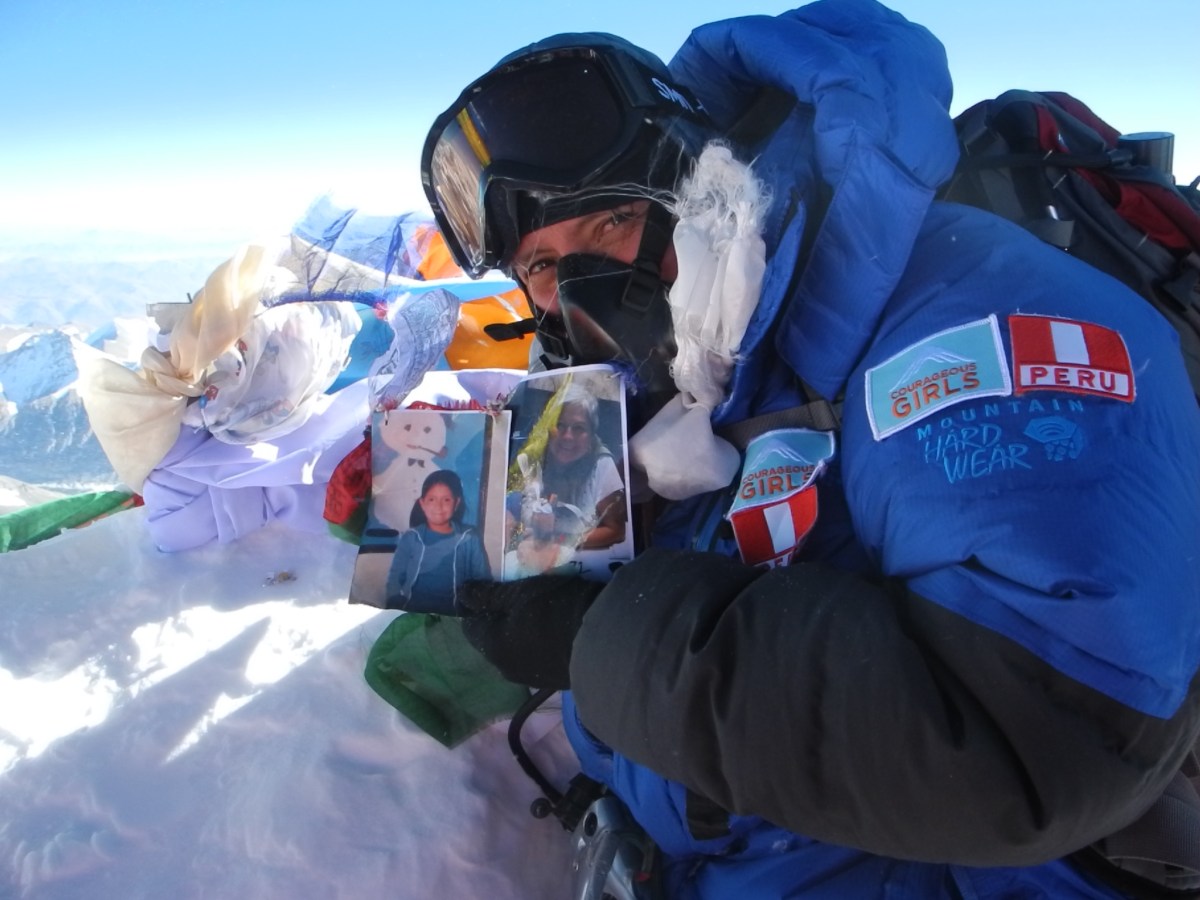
(957, 364)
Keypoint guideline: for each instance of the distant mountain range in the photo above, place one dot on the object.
(59, 287)
(88, 277)
(48, 292)
(45, 437)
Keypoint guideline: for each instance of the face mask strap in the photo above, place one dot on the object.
(643, 286)
(646, 280)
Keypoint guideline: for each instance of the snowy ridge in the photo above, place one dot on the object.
(16, 494)
(40, 365)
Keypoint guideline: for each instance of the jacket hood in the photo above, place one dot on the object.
(870, 134)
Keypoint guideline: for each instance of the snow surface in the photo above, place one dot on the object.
(193, 725)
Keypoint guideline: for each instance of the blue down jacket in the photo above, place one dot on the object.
(984, 657)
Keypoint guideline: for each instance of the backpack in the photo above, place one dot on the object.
(1048, 163)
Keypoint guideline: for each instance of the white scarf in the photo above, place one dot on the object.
(722, 257)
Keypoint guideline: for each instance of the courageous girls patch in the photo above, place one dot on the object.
(954, 365)
(776, 503)
(1064, 355)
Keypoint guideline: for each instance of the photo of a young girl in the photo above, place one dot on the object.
(438, 552)
(436, 514)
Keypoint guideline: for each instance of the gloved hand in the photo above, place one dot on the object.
(526, 628)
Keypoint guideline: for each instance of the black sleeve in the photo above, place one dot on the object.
(860, 715)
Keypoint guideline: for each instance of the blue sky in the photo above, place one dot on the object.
(195, 115)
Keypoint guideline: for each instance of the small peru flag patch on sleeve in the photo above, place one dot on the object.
(776, 503)
(1064, 355)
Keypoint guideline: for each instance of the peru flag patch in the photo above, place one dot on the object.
(776, 503)
(1065, 355)
(769, 535)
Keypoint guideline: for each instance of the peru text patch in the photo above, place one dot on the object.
(1052, 354)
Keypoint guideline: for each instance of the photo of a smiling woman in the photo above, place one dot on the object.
(438, 552)
(580, 478)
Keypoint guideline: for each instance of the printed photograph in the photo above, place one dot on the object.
(567, 507)
(436, 517)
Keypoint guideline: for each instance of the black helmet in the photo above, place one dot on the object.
(563, 127)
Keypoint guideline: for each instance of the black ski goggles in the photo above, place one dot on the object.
(549, 123)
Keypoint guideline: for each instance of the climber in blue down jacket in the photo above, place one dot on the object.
(941, 648)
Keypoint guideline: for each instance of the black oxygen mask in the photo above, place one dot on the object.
(615, 312)
(612, 312)
(607, 319)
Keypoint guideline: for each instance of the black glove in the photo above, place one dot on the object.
(525, 628)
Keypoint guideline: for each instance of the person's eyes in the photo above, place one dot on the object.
(620, 217)
(623, 215)
(535, 270)
(541, 281)
(540, 267)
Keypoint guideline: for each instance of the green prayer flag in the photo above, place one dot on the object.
(34, 524)
(423, 665)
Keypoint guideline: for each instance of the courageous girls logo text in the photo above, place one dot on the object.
(957, 364)
(776, 503)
